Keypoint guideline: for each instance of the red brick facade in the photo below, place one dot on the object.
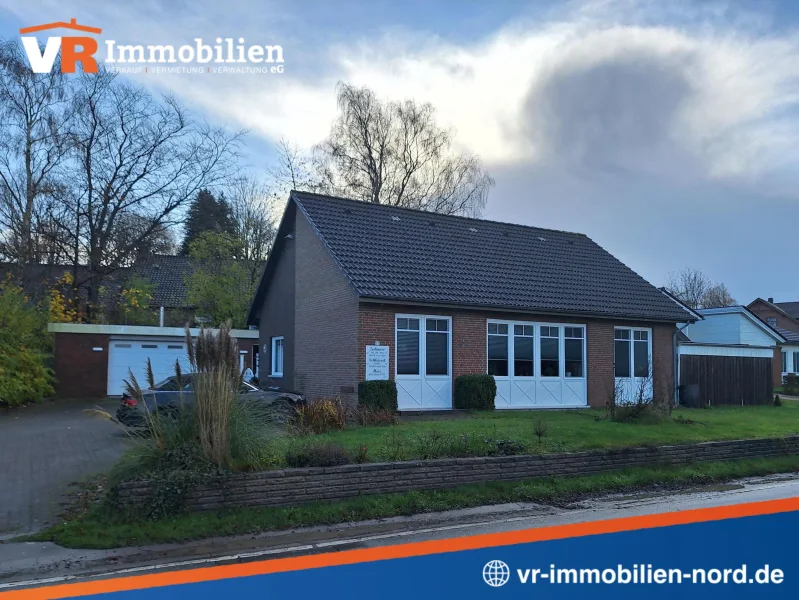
(376, 324)
(80, 370)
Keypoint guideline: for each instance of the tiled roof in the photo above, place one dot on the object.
(169, 275)
(791, 337)
(792, 308)
(407, 255)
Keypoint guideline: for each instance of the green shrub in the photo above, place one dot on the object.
(24, 349)
(378, 395)
(777, 400)
(475, 391)
(317, 454)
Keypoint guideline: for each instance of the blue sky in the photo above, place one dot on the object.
(666, 131)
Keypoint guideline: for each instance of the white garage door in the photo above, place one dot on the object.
(537, 365)
(128, 354)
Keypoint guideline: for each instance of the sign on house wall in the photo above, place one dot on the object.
(376, 362)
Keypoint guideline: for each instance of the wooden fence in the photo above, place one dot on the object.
(734, 380)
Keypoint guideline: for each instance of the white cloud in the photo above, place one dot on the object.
(613, 85)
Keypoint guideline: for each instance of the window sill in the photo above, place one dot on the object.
(276, 375)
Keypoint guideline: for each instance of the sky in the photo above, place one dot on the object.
(665, 131)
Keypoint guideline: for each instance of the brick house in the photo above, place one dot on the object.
(557, 320)
(784, 318)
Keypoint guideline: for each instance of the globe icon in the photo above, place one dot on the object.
(496, 573)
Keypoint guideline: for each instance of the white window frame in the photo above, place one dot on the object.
(795, 361)
(537, 349)
(769, 321)
(423, 345)
(273, 363)
(632, 340)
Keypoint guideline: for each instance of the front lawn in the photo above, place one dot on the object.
(567, 430)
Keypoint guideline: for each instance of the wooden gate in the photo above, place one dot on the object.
(733, 380)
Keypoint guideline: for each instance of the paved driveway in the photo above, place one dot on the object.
(44, 448)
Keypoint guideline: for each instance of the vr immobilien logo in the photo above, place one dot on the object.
(74, 48)
(81, 49)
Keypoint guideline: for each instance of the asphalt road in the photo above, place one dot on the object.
(21, 565)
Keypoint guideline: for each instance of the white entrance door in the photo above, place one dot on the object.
(126, 355)
(632, 364)
(423, 369)
(537, 365)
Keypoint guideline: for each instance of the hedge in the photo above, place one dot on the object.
(475, 391)
(378, 395)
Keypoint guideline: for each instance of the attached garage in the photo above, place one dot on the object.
(94, 360)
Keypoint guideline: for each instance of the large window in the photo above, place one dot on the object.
(795, 362)
(632, 356)
(277, 356)
(573, 349)
(407, 346)
(523, 339)
(772, 321)
(498, 349)
(550, 351)
(436, 346)
(784, 362)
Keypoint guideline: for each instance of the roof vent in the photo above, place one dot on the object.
(542, 239)
(771, 300)
(472, 229)
(395, 218)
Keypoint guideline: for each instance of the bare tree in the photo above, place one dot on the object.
(253, 210)
(689, 286)
(34, 111)
(717, 296)
(696, 290)
(395, 153)
(137, 156)
(293, 170)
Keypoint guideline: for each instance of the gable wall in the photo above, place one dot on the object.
(326, 311)
(277, 315)
(764, 312)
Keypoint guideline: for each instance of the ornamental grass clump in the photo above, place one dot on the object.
(214, 360)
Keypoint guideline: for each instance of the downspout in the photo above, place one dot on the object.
(677, 362)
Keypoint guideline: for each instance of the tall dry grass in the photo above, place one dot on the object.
(214, 360)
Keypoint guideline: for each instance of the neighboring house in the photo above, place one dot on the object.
(731, 355)
(556, 319)
(784, 317)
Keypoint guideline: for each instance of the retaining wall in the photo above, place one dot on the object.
(296, 486)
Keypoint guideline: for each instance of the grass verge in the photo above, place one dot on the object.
(98, 529)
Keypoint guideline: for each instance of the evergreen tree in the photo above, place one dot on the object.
(208, 214)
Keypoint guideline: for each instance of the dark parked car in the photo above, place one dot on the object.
(167, 397)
